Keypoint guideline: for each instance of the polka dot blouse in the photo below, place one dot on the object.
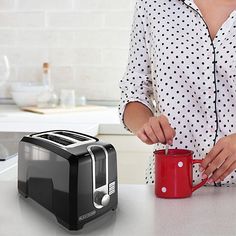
(176, 69)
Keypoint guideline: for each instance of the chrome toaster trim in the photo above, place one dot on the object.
(103, 188)
(75, 143)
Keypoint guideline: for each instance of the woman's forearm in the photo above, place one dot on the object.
(136, 115)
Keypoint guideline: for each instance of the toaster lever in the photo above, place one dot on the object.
(101, 198)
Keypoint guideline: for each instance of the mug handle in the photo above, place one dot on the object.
(194, 188)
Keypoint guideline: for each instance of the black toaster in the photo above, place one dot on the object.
(71, 174)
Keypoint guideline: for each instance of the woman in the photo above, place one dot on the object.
(180, 83)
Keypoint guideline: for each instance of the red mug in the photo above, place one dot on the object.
(174, 173)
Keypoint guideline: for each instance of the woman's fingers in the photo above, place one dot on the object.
(150, 133)
(168, 131)
(228, 171)
(156, 130)
(143, 136)
(156, 127)
(222, 168)
(216, 163)
(214, 152)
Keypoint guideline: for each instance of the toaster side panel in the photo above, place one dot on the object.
(85, 185)
(113, 177)
(44, 177)
(86, 208)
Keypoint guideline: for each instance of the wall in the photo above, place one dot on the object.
(86, 42)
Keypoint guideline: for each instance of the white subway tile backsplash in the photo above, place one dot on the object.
(98, 91)
(28, 73)
(44, 4)
(64, 39)
(114, 38)
(25, 56)
(61, 56)
(30, 56)
(7, 4)
(115, 57)
(62, 75)
(67, 84)
(103, 38)
(99, 73)
(76, 20)
(12, 53)
(45, 38)
(67, 57)
(21, 19)
(59, 75)
(12, 75)
(102, 4)
(121, 19)
(85, 41)
(7, 37)
(5, 88)
(33, 38)
(5, 91)
(98, 81)
(88, 56)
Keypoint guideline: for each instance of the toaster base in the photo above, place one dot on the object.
(81, 225)
(23, 194)
(68, 226)
(61, 222)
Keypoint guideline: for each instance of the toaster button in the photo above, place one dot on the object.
(102, 199)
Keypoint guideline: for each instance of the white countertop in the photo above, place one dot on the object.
(210, 211)
(91, 122)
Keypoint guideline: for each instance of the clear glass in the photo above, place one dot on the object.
(67, 98)
(82, 101)
(47, 99)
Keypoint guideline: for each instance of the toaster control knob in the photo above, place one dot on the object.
(102, 199)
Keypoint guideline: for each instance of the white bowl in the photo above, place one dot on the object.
(26, 94)
(26, 86)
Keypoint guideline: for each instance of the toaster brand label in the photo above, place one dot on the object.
(87, 215)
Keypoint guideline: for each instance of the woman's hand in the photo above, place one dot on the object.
(221, 160)
(156, 130)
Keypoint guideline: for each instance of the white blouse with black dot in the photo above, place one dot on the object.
(176, 69)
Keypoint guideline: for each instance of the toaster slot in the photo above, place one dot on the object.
(56, 139)
(73, 136)
(65, 138)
